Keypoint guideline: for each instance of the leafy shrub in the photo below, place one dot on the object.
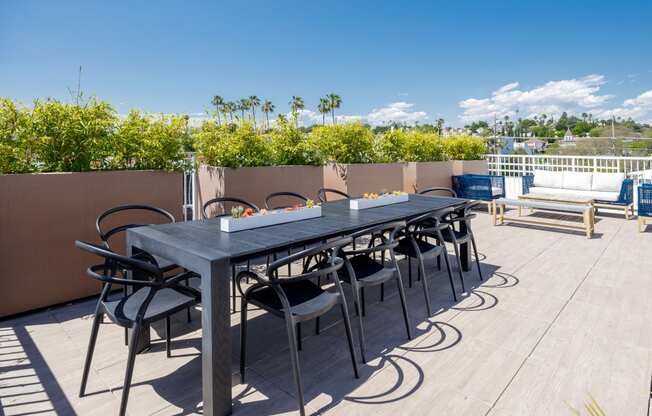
(410, 146)
(232, 147)
(290, 146)
(465, 148)
(147, 142)
(344, 143)
(16, 150)
(68, 137)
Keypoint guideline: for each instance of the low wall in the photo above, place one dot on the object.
(41, 215)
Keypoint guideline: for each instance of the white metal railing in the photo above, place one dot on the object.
(518, 165)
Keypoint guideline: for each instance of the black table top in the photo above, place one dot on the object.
(204, 239)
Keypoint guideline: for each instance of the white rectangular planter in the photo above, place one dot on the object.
(364, 203)
(230, 224)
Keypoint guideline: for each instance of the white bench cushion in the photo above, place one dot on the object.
(602, 196)
(580, 181)
(607, 182)
(548, 179)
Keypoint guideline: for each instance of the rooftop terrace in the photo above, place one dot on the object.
(561, 318)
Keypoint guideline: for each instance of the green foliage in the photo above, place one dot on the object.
(465, 148)
(424, 147)
(146, 142)
(392, 146)
(344, 143)
(290, 146)
(57, 137)
(232, 147)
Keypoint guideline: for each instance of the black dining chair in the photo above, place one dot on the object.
(322, 194)
(434, 190)
(297, 299)
(271, 202)
(211, 209)
(110, 233)
(463, 233)
(414, 244)
(361, 270)
(154, 298)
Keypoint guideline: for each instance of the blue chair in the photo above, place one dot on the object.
(644, 205)
(479, 187)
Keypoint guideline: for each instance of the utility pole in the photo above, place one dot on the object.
(613, 128)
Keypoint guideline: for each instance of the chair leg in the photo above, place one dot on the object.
(125, 293)
(459, 265)
(317, 325)
(294, 358)
(133, 344)
(477, 258)
(424, 285)
(382, 292)
(243, 339)
(363, 308)
(168, 337)
(450, 273)
(89, 352)
(356, 300)
(349, 336)
(401, 293)
(409, 259)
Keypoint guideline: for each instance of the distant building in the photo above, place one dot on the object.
(535, 145)
(568, 136)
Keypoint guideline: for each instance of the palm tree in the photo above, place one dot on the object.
(254, 102)
(323, 108)
(267, 108)
(218, 102)
(334, 101)
(440, 125)
(229, 107)
(296, 104)
(243, 105)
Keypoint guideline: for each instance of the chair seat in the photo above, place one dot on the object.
(367, 271)
(165, 302)
(460, 236)
(406, 248)
(305, 297)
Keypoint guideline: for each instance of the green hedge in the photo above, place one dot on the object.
(57, 137)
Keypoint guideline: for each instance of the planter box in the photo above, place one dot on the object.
(357, 179)
(254, 184)
(364, 203)
(230, 224)
(41, 215)
(460, 167)
(430, 175)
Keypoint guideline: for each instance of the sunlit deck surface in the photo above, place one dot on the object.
(562, 317)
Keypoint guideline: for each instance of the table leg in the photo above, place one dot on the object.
(216, 339)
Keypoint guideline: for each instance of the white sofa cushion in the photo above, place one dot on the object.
(580, 181)
(548, 179)
(607, 182)
(597, 195)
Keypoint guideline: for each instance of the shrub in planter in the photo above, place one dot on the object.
(465, 148)
(232, 146)
(344, 143)
(410, 146)
(146, 142)
(290, 146)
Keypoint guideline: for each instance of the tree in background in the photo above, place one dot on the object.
(243, 105)
(254, 102)
(323, 108)
(267, 108)
(334, 101)
(218, 102)
(440, 126)
(296, 104)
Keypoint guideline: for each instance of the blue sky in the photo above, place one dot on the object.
(406, 61)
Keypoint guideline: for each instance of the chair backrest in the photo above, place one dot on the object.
(386, 232)
(105, 235)
(438, 189)
(223, 202)
(115, 263)
(322, 194)
(331, 264)
(269, 200)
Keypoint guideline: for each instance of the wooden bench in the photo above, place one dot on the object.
(586, 210)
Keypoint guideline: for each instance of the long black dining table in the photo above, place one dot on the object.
(200, 246)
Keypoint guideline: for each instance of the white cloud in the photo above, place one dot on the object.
(400, 112)
(553, 97)
(638, 108)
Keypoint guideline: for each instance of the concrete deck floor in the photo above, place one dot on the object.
(560, 318)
